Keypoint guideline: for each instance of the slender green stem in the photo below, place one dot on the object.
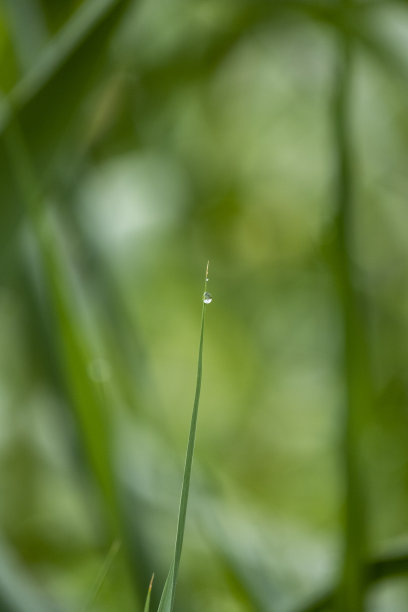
(355, 361)
(168, 595)
(149, 592)
(190, 452)
(189, 460)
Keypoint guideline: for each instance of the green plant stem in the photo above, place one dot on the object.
(189, 457)
(355, 362)
(168, 595)
(149, 593)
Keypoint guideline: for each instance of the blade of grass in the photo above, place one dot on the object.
(167, 599)
(72, 349)
(71, 342)
(149, 592)
(55, 87)
(80, 26)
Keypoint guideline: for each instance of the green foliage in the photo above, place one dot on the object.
(136, 139)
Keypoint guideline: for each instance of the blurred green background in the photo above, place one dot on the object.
(139, 139)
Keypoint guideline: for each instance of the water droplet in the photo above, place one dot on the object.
(207, 298)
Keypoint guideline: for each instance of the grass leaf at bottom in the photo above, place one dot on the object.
(149, 591)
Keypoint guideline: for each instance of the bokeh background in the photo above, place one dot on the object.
(139, 139)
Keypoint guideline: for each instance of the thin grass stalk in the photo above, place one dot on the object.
(355, 362)
(167, 600)
(149, 593)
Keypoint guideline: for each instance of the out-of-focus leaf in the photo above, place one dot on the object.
(382, 568)
(49, 96)
(29, 30)
(72, 342)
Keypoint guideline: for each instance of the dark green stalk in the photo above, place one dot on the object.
(355, 362)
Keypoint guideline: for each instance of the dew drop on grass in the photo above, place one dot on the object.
(207, 298)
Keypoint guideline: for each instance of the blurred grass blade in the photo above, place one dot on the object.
(55, 88)
(149, 592)
(107, 564)
(355, 361)
(84, 21)
(72, 339)
(27, 42)
(167, 599)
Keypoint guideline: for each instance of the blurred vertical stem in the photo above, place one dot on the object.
(355, 360)
(94, 426)
(72, 348)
